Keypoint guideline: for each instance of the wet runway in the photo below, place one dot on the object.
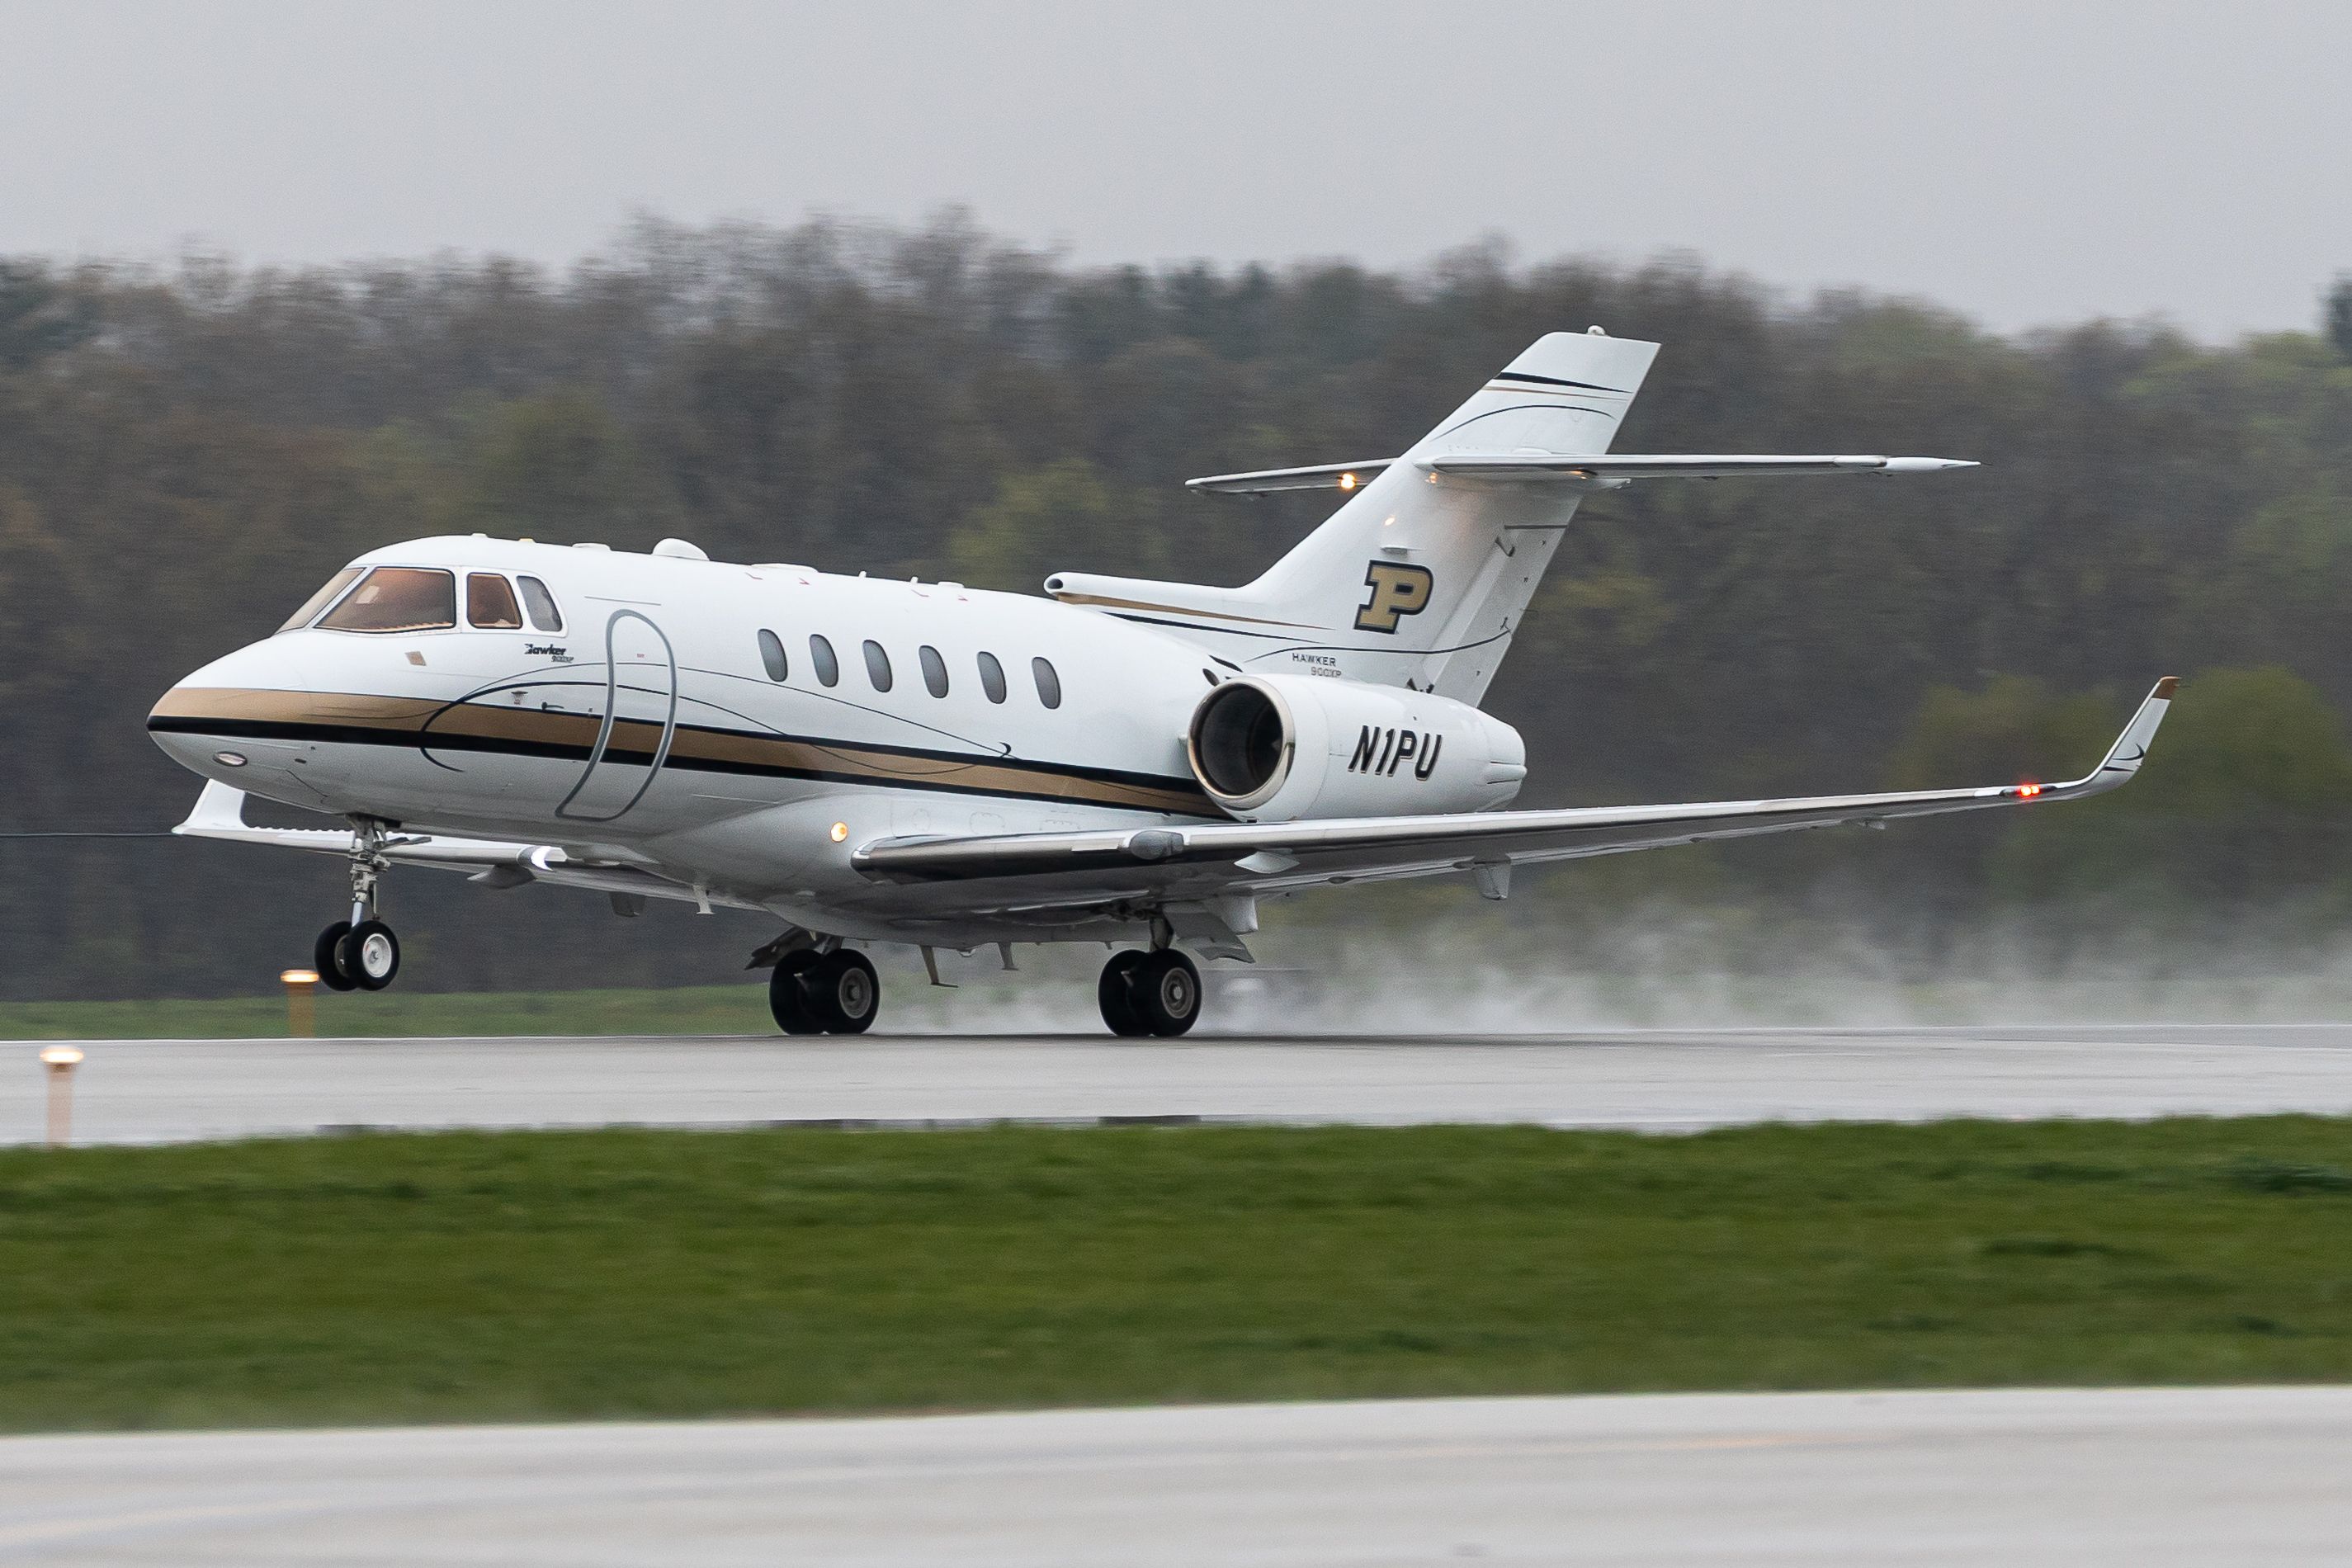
(2123, 1476)
(149, 1090)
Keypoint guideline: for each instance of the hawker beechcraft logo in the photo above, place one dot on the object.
(1397, 592)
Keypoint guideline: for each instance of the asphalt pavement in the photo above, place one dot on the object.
(162, 1091)
(2135, 1477)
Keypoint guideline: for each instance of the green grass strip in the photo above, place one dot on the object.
(518, 1276)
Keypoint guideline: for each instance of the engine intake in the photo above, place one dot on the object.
(1279, 748)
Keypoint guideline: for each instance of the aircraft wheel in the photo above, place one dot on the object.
(843, 991)
(1115, 993)
(328, 962)
(1166, 993)
(369, 955)
(788, 993)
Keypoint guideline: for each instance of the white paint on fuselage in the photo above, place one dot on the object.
(1126, 694)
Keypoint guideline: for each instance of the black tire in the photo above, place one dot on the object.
(788, 993)
(1115, 993)
(843, 991)
(1168, 993)
(369, 955)
(328, 961)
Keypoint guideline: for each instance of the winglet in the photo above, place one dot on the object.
(2124, 758)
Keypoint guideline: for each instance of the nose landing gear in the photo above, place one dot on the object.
(1155, 993)
(362, 952)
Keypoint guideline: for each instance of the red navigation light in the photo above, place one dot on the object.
(2027, 792)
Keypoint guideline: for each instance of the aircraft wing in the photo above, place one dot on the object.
(1606, 467)
(1268, 857)
(219, 813)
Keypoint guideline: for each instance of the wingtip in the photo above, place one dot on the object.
(2166, 688)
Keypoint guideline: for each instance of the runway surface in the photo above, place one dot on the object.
(161, 1090)
(2138, 1476)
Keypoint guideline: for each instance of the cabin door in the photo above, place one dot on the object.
(636, 721)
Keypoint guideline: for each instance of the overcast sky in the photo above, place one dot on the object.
(2027, 163)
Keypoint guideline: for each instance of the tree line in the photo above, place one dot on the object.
(186, 451)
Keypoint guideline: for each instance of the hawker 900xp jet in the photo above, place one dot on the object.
(1129, 762)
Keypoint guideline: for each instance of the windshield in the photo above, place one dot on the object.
(398, 599)
(321, 600)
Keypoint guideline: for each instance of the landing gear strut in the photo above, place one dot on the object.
(814, 993)
(362, 952)
(1155, 993)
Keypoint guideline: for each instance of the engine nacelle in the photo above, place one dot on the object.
(1278, 748)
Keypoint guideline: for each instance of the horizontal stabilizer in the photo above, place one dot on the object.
(1636, 466)
(1325, 477)
(1596, 465)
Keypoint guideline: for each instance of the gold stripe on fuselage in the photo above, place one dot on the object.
(426, 722)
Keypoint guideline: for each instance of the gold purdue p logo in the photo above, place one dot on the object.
(1397, 592)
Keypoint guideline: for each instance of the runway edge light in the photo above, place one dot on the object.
(60, 1061)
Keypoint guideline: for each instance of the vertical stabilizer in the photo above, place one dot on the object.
(1420, 578)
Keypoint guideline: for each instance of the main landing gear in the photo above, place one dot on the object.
(1155, 993)
(814, 992)
(360, 953)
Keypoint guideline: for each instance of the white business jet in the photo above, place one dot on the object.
(1126, 761)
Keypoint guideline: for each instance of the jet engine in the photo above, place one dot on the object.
(1279, 748)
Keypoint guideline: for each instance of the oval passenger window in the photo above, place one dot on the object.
(991, 677)
(935, 670)
(877, 666)
(828, 669)
(772, 653)
(1049, 685)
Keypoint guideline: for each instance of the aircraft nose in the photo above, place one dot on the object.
(207, 718)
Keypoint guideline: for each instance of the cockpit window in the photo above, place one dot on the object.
(544, 615)
(321, 599)
(398, 599)
(490, 603)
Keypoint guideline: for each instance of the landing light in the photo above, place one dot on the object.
(1347, 481)
(840, 831)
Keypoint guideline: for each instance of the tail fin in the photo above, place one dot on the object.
(1420, 579)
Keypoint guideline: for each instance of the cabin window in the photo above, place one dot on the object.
(828, 669)
(991, 677)
(935, 670)
(490, 603)
(398, 599)
(772, 653)
(1049, 685)
(877, 666)
(544, 615)
(321, 599)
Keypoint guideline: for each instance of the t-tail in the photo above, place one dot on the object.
(1422, 578)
